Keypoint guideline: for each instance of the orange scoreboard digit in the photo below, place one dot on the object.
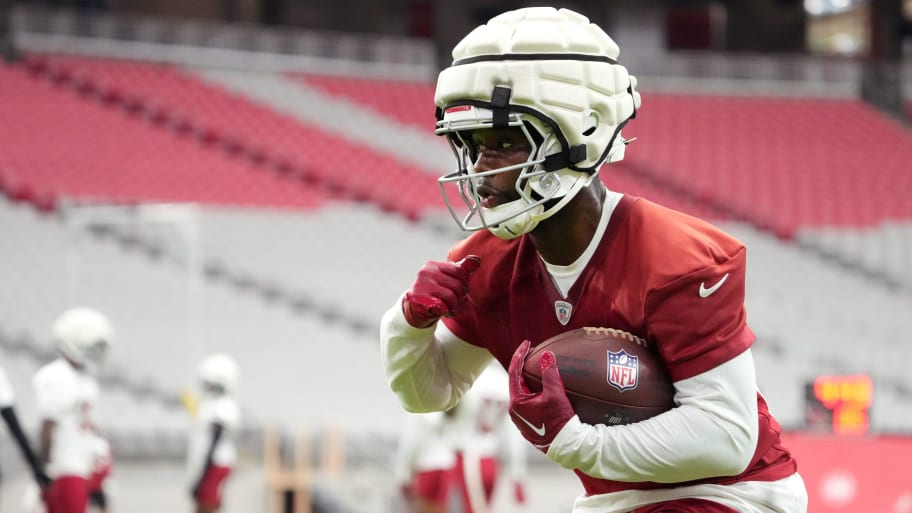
(840, 404)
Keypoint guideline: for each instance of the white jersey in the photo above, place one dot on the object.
(7, 398)
(478, 427)
(102, 457)
(482, 426)
(222, 410)
(424, 445)
(67, 397)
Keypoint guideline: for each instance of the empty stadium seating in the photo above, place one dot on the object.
(93, 153)
(213, 118)
(298, 257)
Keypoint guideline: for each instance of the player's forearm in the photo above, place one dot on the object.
(47, 440)
(426, 373)
(12, 422)
(217, 430)
(414, 364)
(714, 433)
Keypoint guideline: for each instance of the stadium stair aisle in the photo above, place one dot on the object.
(345, 119)
(410, 103)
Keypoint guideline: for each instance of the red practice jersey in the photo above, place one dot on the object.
(662, 275)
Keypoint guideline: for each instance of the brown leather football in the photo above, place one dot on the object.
(611, 376)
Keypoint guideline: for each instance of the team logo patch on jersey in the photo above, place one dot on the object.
(622, 370)
(563, 310)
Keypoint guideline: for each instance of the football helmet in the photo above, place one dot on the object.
(83, 336)
(555, 76)
(218, 373)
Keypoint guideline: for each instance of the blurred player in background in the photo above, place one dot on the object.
(425, 462)
(533, 106)
(102, 464)
(454, 461)
(8, 412)
(490, 452)
(66, 394)
(212, 453)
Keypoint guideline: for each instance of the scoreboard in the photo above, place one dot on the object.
(839, 404)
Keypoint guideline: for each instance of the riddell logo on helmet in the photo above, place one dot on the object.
(458, 108)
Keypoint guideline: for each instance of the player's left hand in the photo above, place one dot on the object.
(45, 493)
(539, 416)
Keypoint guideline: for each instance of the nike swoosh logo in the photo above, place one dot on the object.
(540, 431)
(706, 292)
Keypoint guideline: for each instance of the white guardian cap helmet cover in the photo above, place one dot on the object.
(219, 370)
(553, 74)
(84, 336)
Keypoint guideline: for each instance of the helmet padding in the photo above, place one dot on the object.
(551, 70)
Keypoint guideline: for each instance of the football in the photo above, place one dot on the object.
(611, 376)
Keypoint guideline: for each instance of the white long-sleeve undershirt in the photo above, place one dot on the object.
(713, 431)
(428, 369)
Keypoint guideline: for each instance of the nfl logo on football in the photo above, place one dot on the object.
(622, 370)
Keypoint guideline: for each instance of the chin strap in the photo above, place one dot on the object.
(12, 422)
(500, 108)
(565, 158)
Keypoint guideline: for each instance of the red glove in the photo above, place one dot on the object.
(519, 493)
(438, 289)
(540, 416)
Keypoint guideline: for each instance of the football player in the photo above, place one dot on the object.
(66, 394)
(8, 412)
(533, 105)
(425, 462)
(212, 452)
(454, 460)
(489, 450)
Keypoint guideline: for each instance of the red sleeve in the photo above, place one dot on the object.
(700, 319)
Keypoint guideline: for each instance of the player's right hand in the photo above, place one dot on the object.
(519, 492)
(437, 290)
